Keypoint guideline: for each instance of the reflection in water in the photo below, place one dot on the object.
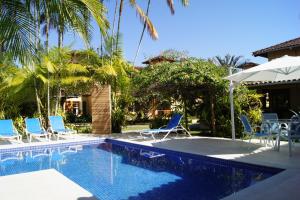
(9, 159)
(34, 160)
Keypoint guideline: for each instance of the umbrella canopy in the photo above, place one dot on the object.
(279, 69)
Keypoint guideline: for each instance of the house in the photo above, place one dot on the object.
(96, 102)
(280, 97)
(158, 108)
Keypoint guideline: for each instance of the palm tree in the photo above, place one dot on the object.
(19, 28)
(63, 71)
(21, 85)
(228, 61)
(73, 15)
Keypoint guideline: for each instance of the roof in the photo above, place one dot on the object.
(268, 83)
(158, 59)
(139, 68)
(248, 65)
(284, 45)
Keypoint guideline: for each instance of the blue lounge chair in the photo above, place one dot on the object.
(57, 126)
(253, 133)
(294, 131)
(173, 126)
(8, 130)
(34, 128)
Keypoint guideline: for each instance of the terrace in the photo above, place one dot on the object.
(241, 151)
(85, 115)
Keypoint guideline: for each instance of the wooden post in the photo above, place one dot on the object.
(101, 109)
(212, 107)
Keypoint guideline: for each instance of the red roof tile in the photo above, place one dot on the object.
(284, 45)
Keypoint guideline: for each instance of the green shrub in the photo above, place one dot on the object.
(158, 122)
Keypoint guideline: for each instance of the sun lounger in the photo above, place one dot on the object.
(57, 126)
(34, 128)
(173, 126)
(8, 130)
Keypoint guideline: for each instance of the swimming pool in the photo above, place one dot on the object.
(114, 170)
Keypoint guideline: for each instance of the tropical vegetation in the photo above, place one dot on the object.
(36, 76)
(195, 87)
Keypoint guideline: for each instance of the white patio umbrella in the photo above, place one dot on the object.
(280, 69)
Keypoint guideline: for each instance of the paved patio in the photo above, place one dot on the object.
(282, 186)
(5, 144)
(45, 184)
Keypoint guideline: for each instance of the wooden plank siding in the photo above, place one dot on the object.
(278, 54)
(101, 109)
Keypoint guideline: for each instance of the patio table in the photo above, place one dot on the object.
(281, 122)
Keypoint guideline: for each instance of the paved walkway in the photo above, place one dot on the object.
(41, 185)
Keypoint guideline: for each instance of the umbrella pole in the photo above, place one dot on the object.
(231, 106)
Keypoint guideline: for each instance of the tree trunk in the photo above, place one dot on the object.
(60, 38)
(113, 29)
(186, 123)
(60, 45)
(37, 42)
(212, 107)
(47, 30)
(142, 35)
(58, 98)
(47, 50)
(38, 20)
(119, 23)
(37, 98)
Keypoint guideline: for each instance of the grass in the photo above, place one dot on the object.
(135, 127)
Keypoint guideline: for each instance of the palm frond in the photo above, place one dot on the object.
(185, 2)
(171, 6)
(145, 20)
(17, 30)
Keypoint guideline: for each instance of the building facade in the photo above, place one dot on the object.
(280, 97)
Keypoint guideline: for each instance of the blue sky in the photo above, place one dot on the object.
(206, 28)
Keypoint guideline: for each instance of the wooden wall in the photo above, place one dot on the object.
(101, 109)
(278, 54)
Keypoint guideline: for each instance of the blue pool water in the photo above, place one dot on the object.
(116, 170)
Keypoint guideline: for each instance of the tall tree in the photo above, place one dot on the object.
(17, 29)
(17, 22)
(228, 61)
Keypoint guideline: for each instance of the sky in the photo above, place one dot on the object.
(206, 28)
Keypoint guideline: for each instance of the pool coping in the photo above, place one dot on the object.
(205, 158)
(278, 186)
(50, 144)
(97, 140)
